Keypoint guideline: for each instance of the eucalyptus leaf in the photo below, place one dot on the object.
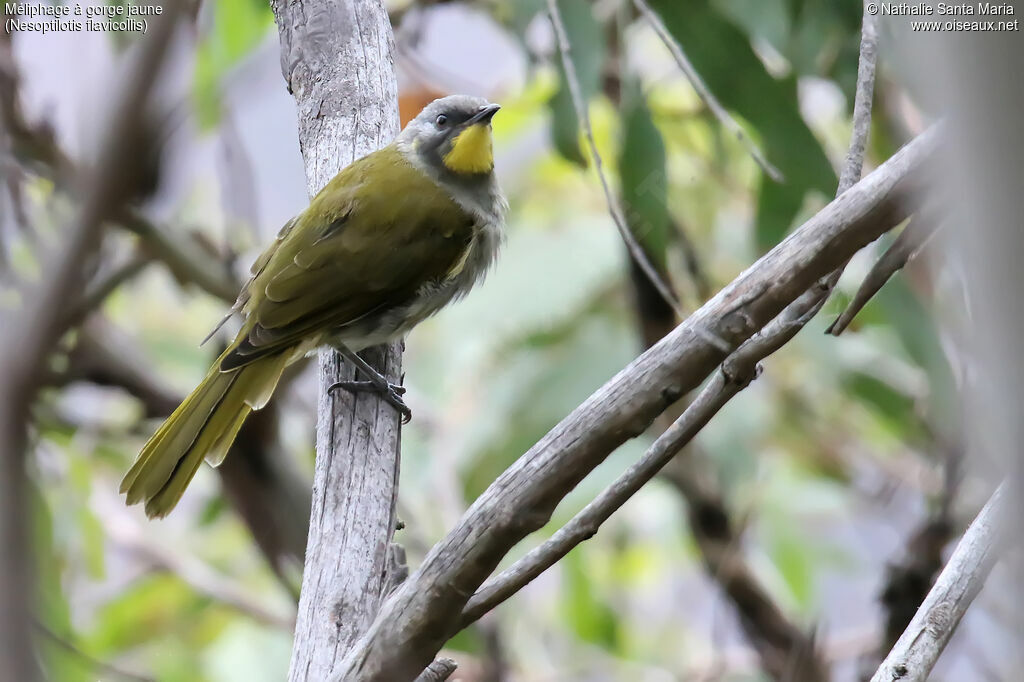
(644, 177)
(587, 52)
(238, 26)
(722, 54)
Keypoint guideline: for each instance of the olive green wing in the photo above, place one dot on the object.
(367, 242)
(257, 267)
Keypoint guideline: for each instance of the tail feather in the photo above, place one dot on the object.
(253, 391)
(154, 465)
(204, 425)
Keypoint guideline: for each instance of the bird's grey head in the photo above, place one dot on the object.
(452, 134)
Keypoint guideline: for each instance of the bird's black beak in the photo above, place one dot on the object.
(484, 115)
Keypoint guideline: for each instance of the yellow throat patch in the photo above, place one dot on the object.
(471, 151)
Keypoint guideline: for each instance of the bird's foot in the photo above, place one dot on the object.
(392, 394)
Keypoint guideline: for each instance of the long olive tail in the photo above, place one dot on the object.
(203, 426)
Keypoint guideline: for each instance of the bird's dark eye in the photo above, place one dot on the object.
(441, 120)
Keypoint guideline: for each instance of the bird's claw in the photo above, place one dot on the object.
(392, 394)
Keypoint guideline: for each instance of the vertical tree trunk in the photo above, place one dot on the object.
(337, 57)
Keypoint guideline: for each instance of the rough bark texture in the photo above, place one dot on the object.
(918, 649)
(337, 57)
(422, 613)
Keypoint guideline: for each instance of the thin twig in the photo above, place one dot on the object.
(586, 523)
(184, 256)
(862, 100)
(98, 291)
(704, 93)
(91, 661)
(36, 146)
(921, 644)
(800, 312)
(904, 248)
(580, 104)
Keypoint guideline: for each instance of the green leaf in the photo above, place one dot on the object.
(643, 177)
(722, 55)
(90, 530)
(51, 605)
(590, 618)
(794, 558)
(894, 409)
(765, 19)
(587, 52)
(238, 26)
(518, 16)
(467, 640)
(917, 332)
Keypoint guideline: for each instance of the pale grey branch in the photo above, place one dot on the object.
(337, 57)
(427, 609)
(917, 651)
(586, 523)
(438, 671)
(905, 247)
(862, 100)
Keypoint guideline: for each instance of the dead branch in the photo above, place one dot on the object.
(438, 671)
(338, 60)
(586, 523)
(905, 247)
(418, 618)
(918, 649)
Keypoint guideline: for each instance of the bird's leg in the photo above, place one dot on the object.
(375, 383)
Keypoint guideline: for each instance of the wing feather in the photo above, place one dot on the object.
(388, 230)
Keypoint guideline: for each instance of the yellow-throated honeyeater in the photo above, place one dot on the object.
(389, 241)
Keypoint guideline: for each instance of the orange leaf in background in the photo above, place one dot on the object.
(412, 101)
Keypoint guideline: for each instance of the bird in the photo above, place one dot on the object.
(394, 237)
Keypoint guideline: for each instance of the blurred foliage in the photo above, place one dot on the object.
(490, 376)
(644, 177)
(236, 27)
(724, 57)
(587, 53)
